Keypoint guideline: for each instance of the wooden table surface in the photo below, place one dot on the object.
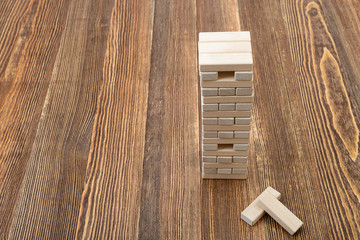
(99, 119)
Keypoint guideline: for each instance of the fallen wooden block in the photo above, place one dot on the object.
(254, 212)
(279, 212)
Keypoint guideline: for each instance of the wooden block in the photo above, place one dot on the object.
(227, 114)
(240, 159)
(224, 171)
(211, 62)
(239, 171)
(240, 147)
(211, 107)
(242, 134)
(222, 134)
(224, 159)
(227, 99)
(208, 76)
(229, 127)
(226, 106)
(226, 121)
(254, 212)
(210, 91)
(209, 159)
(224, 176)
(210, 170)
(224, 165)
(224, 36)
(243, 106)
(225, 140)
(243, 76)
(210, 121)
(226, 91)
(210, 147)
(224, 47)
(279, 212)
(227, 84)
(210, 134)
(225, 153)
(243, 121)
(244, 91)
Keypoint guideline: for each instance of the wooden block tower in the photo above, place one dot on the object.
(225, 64)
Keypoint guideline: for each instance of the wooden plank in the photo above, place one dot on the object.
(224, 36)
(226, 114)
(279, 212)
(224, 165)
(227, 127)
(225, 153)
(224, 176)
(254, 212)
(224, 47)
(228, 99)
(227, 84)
(225, 140)
(215, 62)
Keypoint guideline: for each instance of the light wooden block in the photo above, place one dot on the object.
(243, 36)
(241, 134)
(279, 212)
(210, 134)
(243, 121)
(224, 165)
(210, 147)
(225, 134)
(224, 171)
(224, 47)
(226, 91)
(243, 76)
(226, 121)
(254, 212)
(227, 84)
(226, 128)
(243, 106)
(244, 91)
(208, 76)
(225, 153)
(240, 147)
(227, 114)
(224, 176)
(227, 99)
(211, 107)
(223, 159)
(210, 121)
(226, 106)
(210, 170)
(239, 171)
(209, 159)
(210, 92)
(237, 159)
(211, 62)
(225, 140)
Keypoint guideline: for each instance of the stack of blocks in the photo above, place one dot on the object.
(225, 64)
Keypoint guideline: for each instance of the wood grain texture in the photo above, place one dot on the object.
(100, 125)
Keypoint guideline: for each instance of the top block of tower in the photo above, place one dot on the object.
(225, 51)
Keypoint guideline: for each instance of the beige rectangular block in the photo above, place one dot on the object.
(244, 91)
(210, 170)
(243, 121)
(216, 62)
(279, 212)
(226, 106)
(237, 159)
(210, 134)
(225, 153)
(224, 47)
(227, 114)
(211, 107)
(224, 176)
(209, 159)
(223, 159)
(229, 127)
(239, 171)
(224, 165)
(210, 121)
(243, 76)
(224, 36)
(227, 84)
(226, 91)
(208, 76)
(242, 134)
(229, 134)
(240, 147)
(210, 92)
(254, 212)
(210, 147)
(224, 171)
(243, 106)
(226, 121)
(225, 140)
(227, 99)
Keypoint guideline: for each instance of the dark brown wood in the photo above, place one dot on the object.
(100, 131)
